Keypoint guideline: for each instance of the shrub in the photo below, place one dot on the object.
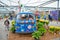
(12, 29)
(53, 29)
(39, 24)
(36, 34)
(42, 30)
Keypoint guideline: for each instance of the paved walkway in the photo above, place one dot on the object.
(3, 31)
(56, 39)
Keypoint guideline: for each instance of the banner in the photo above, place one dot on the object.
(54, 14)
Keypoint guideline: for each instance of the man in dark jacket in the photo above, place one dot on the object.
(50, 17)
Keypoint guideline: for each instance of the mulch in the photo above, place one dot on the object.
(47, 36)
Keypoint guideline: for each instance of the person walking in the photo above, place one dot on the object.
(6, 23)
(50, 17)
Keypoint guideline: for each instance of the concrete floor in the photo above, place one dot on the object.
(3, 31)
(56, 39)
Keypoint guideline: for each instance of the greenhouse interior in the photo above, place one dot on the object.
(30, 19)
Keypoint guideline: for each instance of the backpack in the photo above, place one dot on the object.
(6, 23)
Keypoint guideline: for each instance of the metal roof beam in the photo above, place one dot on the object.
(38, 7)
(25, 6)
(3, 3)
(10, 6)
(48, 2)
(5, 6)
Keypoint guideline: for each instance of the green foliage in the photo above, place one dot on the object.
(12, 29)
(43, 22)
(13, 22)
(39, 24)
(21, 5)
(36, 34)
(59, 19)
(47, 22)
(57, 28)
(52, 30)
(42, 30)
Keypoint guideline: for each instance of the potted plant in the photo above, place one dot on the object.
(52, 30)
(12, 29)
(42, 30)
(36, 35)
(57, 29)
(39, 24)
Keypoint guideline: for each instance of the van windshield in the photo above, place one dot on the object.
(25, 17)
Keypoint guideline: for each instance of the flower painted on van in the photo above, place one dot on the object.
(29, 27)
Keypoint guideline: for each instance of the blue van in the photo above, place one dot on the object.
(25, 22)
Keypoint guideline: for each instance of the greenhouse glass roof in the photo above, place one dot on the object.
(39, 3)
(28, 2)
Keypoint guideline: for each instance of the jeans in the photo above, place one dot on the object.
(7, 28)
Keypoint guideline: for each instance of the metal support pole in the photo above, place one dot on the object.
(19, 5)
(3, 3)
(58, 8)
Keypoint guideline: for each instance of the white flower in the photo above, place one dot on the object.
(29, 27)
(22, 30)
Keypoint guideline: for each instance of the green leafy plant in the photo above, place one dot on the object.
(13, 22)
(47, 23)
(59, 19)
(57, 28)
(36, 35)
(39, 24)
(12, 29)
(52, 30)
(42, 30)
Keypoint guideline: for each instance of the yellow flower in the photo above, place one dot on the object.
(57, 27)
(46, 21)
(51, 27)
(42, 20)
(13, 22)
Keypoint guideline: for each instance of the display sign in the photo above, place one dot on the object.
(54, 14)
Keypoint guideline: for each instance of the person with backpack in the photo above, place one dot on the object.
(6, 23)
